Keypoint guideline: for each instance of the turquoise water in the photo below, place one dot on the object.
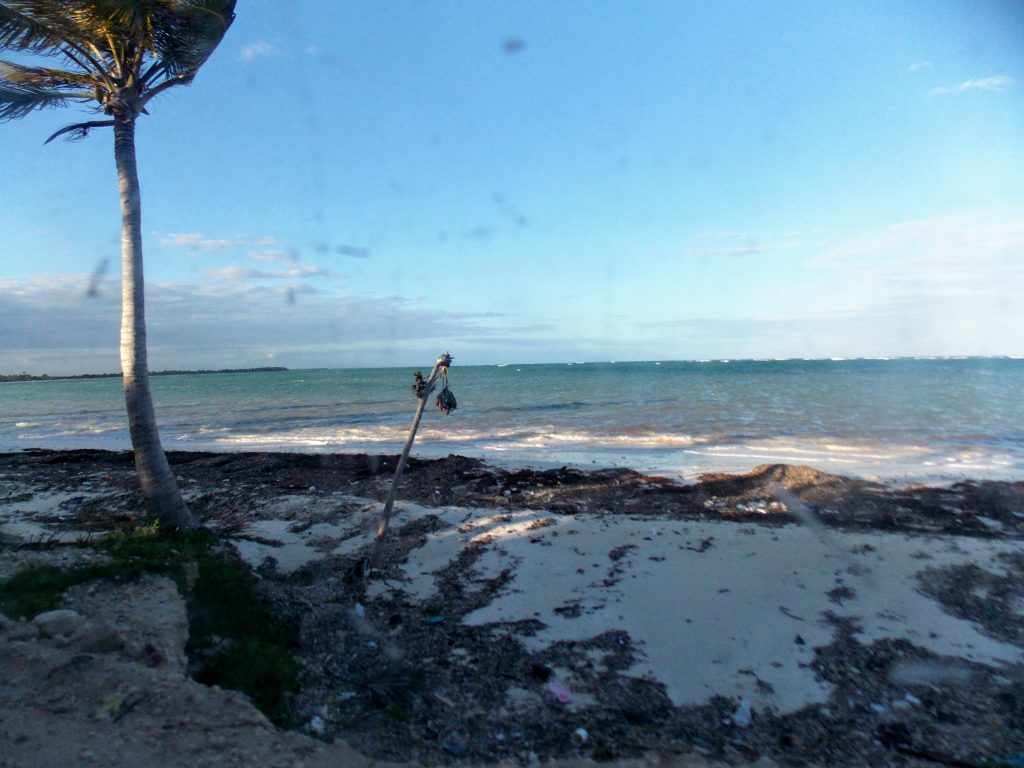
(905, 418)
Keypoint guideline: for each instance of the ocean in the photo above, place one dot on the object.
(936, 420)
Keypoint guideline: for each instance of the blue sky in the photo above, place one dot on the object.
(371, 183)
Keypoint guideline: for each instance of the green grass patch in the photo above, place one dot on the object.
(39, 589)
(263, 670)
(235, 640)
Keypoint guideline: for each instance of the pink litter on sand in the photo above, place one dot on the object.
(560, 692)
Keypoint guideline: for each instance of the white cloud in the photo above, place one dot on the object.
(995, 83)
(952, 237)
(717, 235)
(953, 326)
(256, 50)
(919, 65)
(278, 257)
(251, 273)
(930, 263)
(48, 326)
(197, 242)
(945, 285)
(742, 244)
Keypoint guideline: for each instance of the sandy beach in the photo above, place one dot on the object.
(782, 617)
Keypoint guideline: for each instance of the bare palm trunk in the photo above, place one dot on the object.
(158, 484)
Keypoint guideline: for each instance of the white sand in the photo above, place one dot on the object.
(293, 548)
(295, 544)
(32, 519)
(716, 621)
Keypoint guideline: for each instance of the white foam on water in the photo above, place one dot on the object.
(882, 420)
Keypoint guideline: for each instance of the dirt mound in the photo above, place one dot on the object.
(115, 692)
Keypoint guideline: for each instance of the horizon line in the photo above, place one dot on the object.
(726, 360)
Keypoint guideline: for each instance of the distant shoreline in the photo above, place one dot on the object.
(736, 361)
(44, 377)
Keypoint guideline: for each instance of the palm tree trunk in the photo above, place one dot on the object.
(163, 497)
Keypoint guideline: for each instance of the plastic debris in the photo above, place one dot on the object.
(360, 611)
(317, 724)
(560, 692)
(580, 737)
(743, 714)
(435, 619)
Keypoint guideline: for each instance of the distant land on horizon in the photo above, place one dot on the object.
(264, 369)
(5, 377)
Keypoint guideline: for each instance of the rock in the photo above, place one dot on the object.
(99, 637)
(21, 630)
(149, 614)
(61, 623)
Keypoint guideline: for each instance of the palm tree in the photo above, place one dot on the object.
(115, 56)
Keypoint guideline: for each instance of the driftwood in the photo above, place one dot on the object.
(423, 388)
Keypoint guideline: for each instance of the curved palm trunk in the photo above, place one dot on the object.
(158, 484)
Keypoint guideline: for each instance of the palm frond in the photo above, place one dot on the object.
(35, 27)
(46, 77)
(188, 31)
(51, 27)
(80, 130)
(121, 53)
(18, 100)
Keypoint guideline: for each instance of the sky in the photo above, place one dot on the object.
(371, 184)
